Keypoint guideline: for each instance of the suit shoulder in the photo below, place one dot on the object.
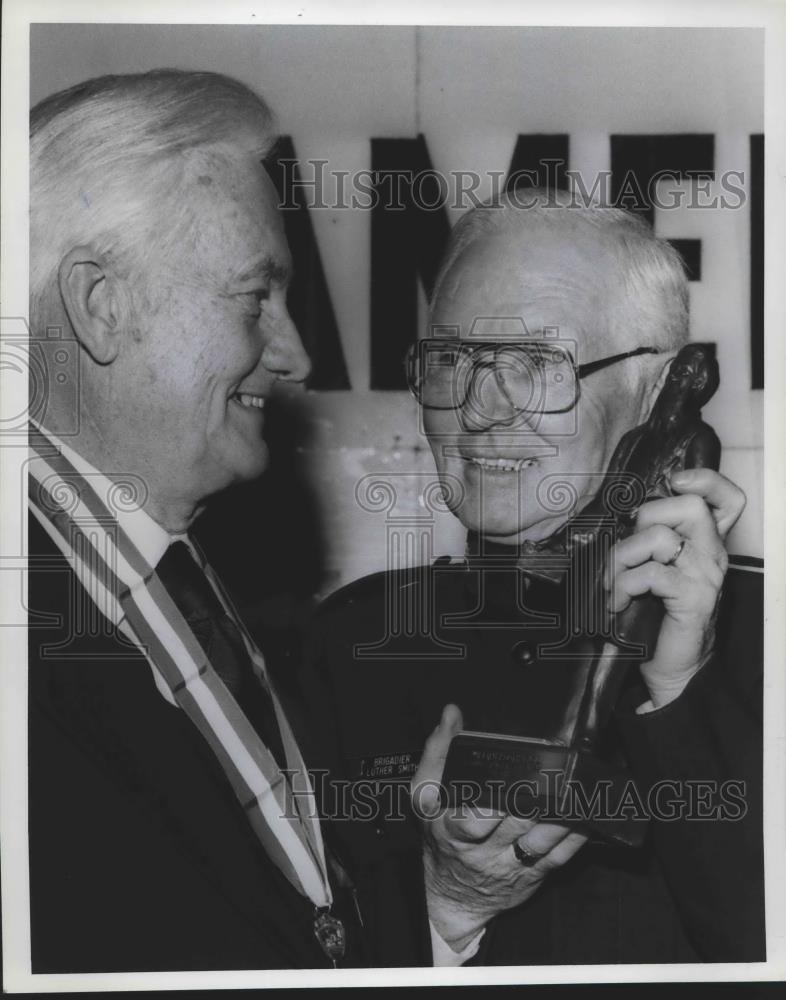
(740, 621)
(745, 577)
(367, 590)
(746, 565)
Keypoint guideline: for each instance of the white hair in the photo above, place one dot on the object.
(653, 299)
(106, 157)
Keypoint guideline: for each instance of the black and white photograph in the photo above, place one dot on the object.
(393, 566)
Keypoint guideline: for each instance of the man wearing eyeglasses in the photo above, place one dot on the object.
(550, 337)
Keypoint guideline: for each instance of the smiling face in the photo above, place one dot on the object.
(516, 469)
(212, 337)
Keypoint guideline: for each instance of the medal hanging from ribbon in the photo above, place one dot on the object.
(330, 934)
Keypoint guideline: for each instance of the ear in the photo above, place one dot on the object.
(652, 393)
(88, 288)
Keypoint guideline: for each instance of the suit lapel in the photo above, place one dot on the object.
(101, 690)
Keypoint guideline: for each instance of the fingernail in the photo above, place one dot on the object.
(445, 720)
(681, 478)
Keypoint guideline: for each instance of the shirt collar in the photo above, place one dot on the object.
(147, 535)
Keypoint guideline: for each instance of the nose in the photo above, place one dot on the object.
(486, 404)
(284, 354)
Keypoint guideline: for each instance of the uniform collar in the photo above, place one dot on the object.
(508, 572)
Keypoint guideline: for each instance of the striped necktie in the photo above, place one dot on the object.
(220, 638)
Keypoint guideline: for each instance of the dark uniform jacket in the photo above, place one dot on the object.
(377, 681)
(140, 856)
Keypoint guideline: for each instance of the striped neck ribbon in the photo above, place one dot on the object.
(280, 805)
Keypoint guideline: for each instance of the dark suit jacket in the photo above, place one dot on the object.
(140, 856)
(694, 892)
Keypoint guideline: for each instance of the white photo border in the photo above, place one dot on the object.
(17, 17)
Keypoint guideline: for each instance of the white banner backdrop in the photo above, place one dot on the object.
(470, 92)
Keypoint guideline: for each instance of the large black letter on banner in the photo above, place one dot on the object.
(407, 242)
(309, 299)
(539, 160)
(637, 159)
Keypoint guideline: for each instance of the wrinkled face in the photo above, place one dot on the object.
(516, 472)
(214, 336)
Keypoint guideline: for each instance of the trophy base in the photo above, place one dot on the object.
(543, 780)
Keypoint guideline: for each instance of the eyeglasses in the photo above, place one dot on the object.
(533, 376)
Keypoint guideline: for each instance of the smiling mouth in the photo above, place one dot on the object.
(249, 400)
(501, 464)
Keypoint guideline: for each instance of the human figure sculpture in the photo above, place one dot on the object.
(673, 438)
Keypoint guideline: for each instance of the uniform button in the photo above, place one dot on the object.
(522, 653)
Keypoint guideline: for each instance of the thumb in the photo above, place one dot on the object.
(425, 784)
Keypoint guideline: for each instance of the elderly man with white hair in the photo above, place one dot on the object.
(172, 821)
(551, 336)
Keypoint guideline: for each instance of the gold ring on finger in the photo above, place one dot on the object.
(523, 856)
(677, 553)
